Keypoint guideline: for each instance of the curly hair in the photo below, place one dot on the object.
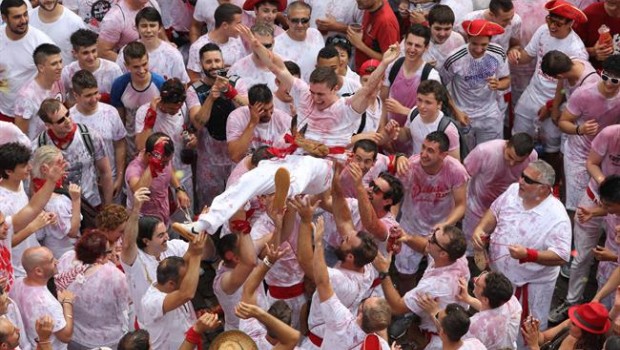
(111, 217)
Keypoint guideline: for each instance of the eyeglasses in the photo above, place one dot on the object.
(64, 118)
(477, 278)
(304, 20)
(334, 40)
(375, 188)
(557, 22)
(268, 46)
(528, 180)
(108, 252)
(434, 241)
(606, 77)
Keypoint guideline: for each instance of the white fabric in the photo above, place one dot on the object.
(60, 30)
(166, 60)
(55, 237)
(512, 30)
(10, 203)
(9, 132)
(232, 51)
(343, 11)
(270, 133)
(250, 74)
(29, 100)
(18, 68)
(204, 11)
(33, 303)
(497, 328)
(438, 53)
(105, 74)
(143, 272)
(420, 129)
(166, 330)
(303, 53)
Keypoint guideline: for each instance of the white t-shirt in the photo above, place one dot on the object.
(9, 132)
(35, 302)
(55, 237)
(333, 126)
(439, 53)
(232, 51)
(143, 272)
(250, 74)
(90, 11)
(166, 60)
(467, 78)
(303, 53)
(497, 328)
(119, 24)
(105, 75)
(18, 68)
(419, 130)
(343, 11)
(60, 30)
(108, 124)
(29, 100)
(459, 7)
(512, 30)
(204, 11)
(341, 329)
(270, 133)
(167, 330)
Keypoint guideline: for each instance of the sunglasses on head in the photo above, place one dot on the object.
(304, 20)
(606, 77)
(63, 119)
(528, 180)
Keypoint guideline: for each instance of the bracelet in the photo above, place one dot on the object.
(36, 340)
(193, 337)
(577, 130)
(66, 302)
(532, 256)
(267, 263)
(69, 316)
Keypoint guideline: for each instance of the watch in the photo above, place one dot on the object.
(180, 188)
(383, 275)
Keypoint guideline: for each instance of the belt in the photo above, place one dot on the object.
(286, 292)
(522, 291)
(315, 339)
(591, 195)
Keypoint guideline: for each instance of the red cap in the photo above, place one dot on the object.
(592, 317)
(566, 10)
(249, 5)
(482, 27)
(365, 69)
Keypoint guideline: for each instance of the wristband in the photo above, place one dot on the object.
(242, 226)
(151, 117)
(532, 256)
(267, 263)
(577, 130)
(231, 93)
(392, 164)
(192, 337)
(549, 104)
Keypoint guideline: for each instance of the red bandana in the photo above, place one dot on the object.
(62, 142)
(37, 183)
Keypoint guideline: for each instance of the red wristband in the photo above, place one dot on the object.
(532, 256)
(151, 117)
(194, 338)
(242, 226)
(549, 104)
(391, 168)
(231, 93)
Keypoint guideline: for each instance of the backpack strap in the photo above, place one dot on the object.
(395, 69)
(362, 124)
(426, 71)
(586, 77)
(88, 141)
(414, 113)
(42, 139)
(444, 123)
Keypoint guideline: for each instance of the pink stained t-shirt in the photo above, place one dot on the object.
(497, 328)
(332, 126)
(490, 174)
(29, 100)
(118, 25)
(158, 204)
(303, 53)
(270, 133)
(250, 74)
(105, 75)
(607, 145)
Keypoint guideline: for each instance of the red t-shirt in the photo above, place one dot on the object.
(380, 31)
(588, 32)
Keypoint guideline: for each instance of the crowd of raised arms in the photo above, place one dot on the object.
(309, 174)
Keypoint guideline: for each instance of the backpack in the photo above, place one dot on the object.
(88, 141)
(426, 71)
(443, 125)
(363, 121)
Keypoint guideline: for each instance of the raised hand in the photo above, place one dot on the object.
(140, 196)
(75, 192)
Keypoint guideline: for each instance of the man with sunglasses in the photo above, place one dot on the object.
(250, 69)
(83, 149)
(300, 43)
(445, 250)
(555, 35)
(528, 235)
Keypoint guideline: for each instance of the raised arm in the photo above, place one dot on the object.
(247, 261)
(255, 279)
(361, 99)
(129, 250)
(304, 238)
(321, 276)
(370, 220)
(340, 207)
(287, 336)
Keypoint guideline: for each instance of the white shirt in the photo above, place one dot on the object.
(343, 11)
(18, 68)
(29, 100)
(60, 30)
(270, 133)
(166, 60)
(9, 132)
(167, 330)
(544, 227)
(497, 328)
(439, 53)
(143, 272)
(232, 51)
(303, 53)
(250, 74)
(55, 237)
(512, 30)
(105, 75)
(204, 11)
(11, 203)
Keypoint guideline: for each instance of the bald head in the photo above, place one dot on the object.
(36, 257)
(9, 334)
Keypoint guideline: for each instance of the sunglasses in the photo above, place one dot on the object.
(268, 46)
(375, 188)
(434, 241)
(606, 77)
(528, 180)
(64, 118)
(557, 22)
(336, 40)
(304, 20)
(477, 278)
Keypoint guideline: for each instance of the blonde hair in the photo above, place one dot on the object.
(44, 155)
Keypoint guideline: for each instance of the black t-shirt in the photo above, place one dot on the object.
(222, 107)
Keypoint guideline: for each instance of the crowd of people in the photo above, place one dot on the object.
(309, 174)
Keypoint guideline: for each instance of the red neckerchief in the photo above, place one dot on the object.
(37, 183)
(62, 142)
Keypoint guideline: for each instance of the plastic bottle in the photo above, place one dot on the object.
(604, 37)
